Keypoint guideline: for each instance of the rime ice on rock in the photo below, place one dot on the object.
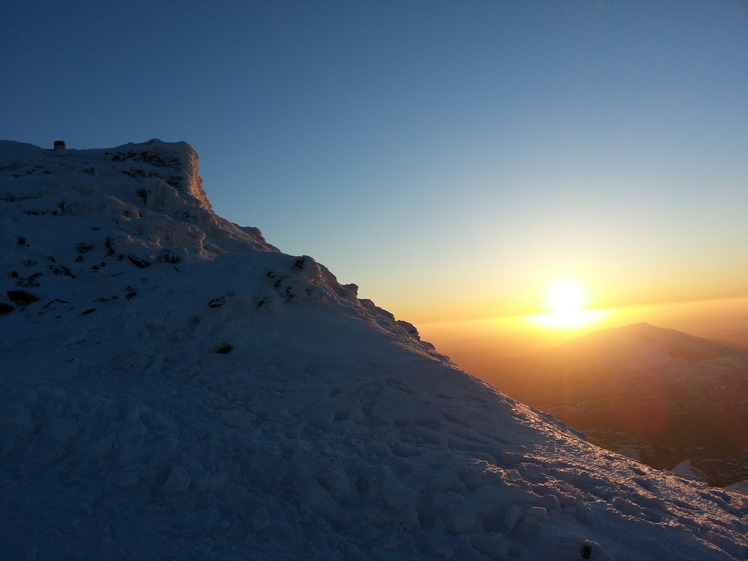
(173, 162)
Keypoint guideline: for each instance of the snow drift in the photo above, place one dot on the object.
(173, 387)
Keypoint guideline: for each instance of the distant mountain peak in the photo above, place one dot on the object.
(640, 344)
(639, 325)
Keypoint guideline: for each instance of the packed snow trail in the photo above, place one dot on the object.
(173, 387)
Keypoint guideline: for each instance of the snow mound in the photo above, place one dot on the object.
(689, 471)
(173, 387)
(739, 487)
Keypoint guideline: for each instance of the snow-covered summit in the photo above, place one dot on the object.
(175, 163)
(173, 387)
(151, 191)
(90, 225)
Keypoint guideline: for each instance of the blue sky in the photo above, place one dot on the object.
(450, 158)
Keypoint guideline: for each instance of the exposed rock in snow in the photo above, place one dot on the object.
(179, 389)
(173, 163)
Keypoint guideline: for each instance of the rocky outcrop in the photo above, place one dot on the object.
(175, 163)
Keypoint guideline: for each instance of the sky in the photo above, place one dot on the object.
(450, 158)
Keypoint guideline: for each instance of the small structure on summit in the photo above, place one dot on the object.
(60, 145)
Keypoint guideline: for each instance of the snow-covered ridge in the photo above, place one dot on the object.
(173, 387)
(100, 215)
(173, 162)
(135, 186)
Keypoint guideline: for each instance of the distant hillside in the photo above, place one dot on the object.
(660, 395)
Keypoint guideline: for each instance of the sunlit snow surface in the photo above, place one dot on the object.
(182, 390)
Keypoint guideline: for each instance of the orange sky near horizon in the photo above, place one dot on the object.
(464, 294)
(479, 346)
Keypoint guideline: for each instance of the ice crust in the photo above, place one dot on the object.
(180, 389)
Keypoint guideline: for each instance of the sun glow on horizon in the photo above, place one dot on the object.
(566, 298)
(565, 295)
(567, 321)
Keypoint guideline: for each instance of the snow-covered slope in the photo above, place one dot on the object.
(659, 394)
(175, 388)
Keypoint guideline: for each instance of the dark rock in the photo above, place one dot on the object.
(217, 302)
(299, 264)
(223, 348)
(54, 301)
(22, 297)
(168, 256)
(110, 246)
(61, 270)
(30, 281)
(83, 247)
(138, 262)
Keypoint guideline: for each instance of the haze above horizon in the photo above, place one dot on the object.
(451, 159)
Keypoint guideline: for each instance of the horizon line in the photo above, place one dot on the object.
(591, 309)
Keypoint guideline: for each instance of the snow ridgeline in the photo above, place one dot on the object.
(173, 387)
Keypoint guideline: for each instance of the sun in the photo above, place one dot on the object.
(565, 296)
(566, 300)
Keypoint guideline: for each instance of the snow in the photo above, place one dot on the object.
(739, 487)
(688, 470)
(183, 390)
